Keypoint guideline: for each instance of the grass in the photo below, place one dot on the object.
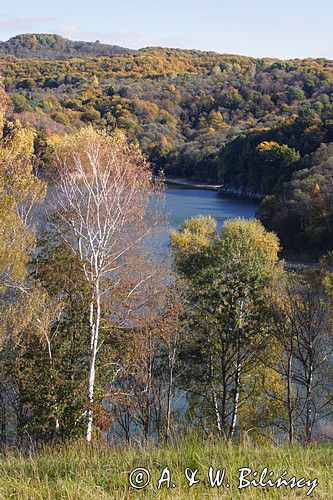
(74, 472)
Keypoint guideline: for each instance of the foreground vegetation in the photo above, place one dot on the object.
(72, 471)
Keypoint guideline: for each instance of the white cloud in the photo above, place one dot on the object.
(24, 23)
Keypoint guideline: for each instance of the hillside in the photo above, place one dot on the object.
(198, 115)
(182, 106)
(47, 46)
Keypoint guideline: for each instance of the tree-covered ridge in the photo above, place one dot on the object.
(181, 105)
(244, 122)
(55, 47)
(262, 160)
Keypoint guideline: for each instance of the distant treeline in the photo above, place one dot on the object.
(55, 47)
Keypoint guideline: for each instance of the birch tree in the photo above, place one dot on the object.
(103, 203)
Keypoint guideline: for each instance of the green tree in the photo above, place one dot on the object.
(278, 164)
(230, 276)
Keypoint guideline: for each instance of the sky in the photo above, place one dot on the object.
(260, 28)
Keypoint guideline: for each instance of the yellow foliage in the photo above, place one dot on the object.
(267, 146)
(316, 188)
(194, 235)
(19, 190)
(87, 138)
(253, 232)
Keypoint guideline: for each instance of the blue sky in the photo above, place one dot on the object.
(280, 28)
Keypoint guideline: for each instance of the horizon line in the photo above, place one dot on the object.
(110, 44)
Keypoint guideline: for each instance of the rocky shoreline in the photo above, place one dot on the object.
(240, 192)
(191, 184)
(226, 189)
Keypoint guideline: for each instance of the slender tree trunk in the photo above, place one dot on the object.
(148, 403)
(308, 408)
(3, 420)
(237, 374)
(126, 427)
(169, 397)
(224, 401)
(236, 400)
(57, 422)
(217, 416)
(289, 400)
(217, 413)
(158, 412)
(95, 316)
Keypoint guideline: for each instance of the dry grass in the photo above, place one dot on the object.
(73, 472)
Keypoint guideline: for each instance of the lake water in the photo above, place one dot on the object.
(183, 203)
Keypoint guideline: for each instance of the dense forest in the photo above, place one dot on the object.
(239, 121)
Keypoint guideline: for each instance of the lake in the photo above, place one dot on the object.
(181, 203)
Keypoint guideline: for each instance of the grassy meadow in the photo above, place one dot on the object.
(74, 472)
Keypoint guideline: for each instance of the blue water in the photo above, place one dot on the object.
(183, 203)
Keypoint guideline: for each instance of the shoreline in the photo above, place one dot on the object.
(231, 191)
(176, 181)
(224, 189)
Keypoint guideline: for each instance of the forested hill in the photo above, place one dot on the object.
(214, 117)
(182, 106)
(55, 47)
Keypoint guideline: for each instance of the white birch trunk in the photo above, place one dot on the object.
(236, 402)
(217, 413)
(94, 324)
